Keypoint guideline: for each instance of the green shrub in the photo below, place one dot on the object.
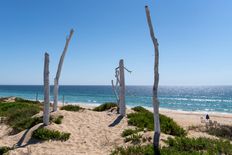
(18, 114)
(181, 146)
(198, 145)
(215, 129)
(147, 139)
(141, 120)
(145, 119)
(7, 109)
(71, 108)
(223, 131)
(105, 106)
(26, 123)
(140, 109)
(128, 132)
(18, 99)
(169, 126)
(57, 120)
(134, 138)
(4, 150)
(46, 134)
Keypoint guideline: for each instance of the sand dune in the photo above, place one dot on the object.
(90, 134)
(93, 133)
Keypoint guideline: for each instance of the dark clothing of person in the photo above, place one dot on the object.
(207, 117)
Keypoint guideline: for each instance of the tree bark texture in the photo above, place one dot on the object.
(156, 82)
(56, 80)
(122, 105)
(46, 109)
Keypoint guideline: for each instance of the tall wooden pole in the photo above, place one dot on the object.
(46, 109)
(36, 97)
(63, 100)
(56, 80)
(156, 82)
(122, 108)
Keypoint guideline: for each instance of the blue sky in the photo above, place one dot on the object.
(194, 36)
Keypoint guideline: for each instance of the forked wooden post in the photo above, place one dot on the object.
(46, 108)
(156, 82)
(122, 105)
(56, 80)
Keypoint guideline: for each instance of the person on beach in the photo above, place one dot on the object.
(207, 117)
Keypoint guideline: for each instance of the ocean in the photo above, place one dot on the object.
(184, 98)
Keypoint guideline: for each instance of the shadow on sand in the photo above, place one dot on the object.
(116, 121)
(27, 139)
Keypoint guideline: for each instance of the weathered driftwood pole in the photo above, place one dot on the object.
(46, 109)
(56, 80)
(122, 105)
(63, 100)
(36, 97)
(156, 82)
(120, 79)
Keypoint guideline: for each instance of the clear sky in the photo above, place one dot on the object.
(195, 38)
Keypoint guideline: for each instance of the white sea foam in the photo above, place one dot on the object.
(197, 99)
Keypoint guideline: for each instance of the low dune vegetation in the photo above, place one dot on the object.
(134, 138)
(72, 108)
(200, 145)
(46, 134)
(222, 131)
(215, 129)
(18, 114)
(180, 146)
(4, 150)
(143, 119)
(57, 119)
(18, 99)
(128, 132)
(105, 106)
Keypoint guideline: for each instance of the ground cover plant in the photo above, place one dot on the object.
(18, 114)
(143, 119)
(128, 132)
(223, 131)
(134, 138)
(215, 129)
(105, 106)
(57, 119)
(71, 108)
(180, 146)
(46, 134)
(4, 150)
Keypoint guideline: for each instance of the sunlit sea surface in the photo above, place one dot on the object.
(196, 98)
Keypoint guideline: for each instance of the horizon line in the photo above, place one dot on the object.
(111, 85)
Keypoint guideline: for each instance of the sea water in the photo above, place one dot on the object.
(185, 98)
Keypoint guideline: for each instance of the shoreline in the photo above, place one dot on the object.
(92, 105)
(95, 104)
(184, 118)
(213, 111)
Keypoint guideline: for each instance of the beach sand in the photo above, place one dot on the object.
(186, 119)
(95, 133)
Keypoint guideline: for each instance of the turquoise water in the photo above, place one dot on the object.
(207, 98)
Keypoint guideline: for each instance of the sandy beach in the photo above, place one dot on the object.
(95, 133)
